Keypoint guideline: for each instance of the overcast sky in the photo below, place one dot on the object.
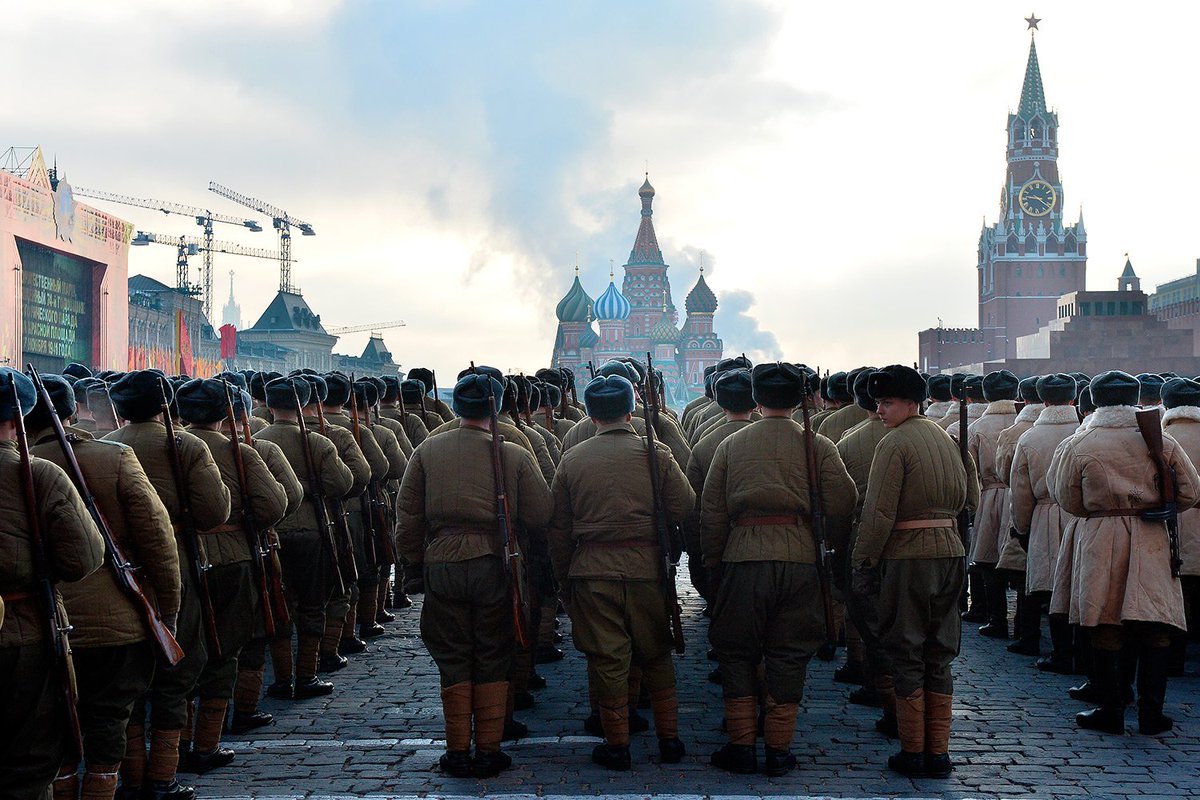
(835, 161)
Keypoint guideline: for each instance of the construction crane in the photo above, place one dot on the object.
(283, 223)
(204, 218)
(374, 327)
(189, 246)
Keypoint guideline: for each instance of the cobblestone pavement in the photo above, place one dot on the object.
(379, 735)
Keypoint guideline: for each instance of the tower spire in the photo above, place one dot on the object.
(1033, 96)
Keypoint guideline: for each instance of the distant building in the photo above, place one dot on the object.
(231, 314)
(641, 317)
(1177, 303)
(168, 330)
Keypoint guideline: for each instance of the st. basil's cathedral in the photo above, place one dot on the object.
(641, 318)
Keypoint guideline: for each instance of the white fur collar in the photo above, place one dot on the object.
(1058, 415)
(1001, 407)
(976, 410)
(1029, 413)
(1178, 413)
(937, 409)
(1114, 417)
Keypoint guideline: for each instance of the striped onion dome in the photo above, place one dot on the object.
(588, 338)
(612, 305)
(575, 305)
(700, 299)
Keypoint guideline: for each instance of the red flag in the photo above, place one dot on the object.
(228, 341)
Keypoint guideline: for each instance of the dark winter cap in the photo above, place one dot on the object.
(608, 397)
(734, 391)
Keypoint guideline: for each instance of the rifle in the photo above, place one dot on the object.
(964, 516)
(366, 499)
(56, 631)
(1150, 426)
(514, 565)
(191, 539)
(817, 517)
(250, 529)
(345, 543)
(270, 559)
(661, 523)
(525, 410)
(591, 371)
(123, 570)
(378, 523)
(317, 496)
(433, 380)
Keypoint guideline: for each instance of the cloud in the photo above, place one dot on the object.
(740, 331)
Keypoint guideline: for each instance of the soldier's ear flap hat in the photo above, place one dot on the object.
(779, 385)
(862, 393)
(366, 393)
(709, 382)
(26, 394)
(319, 390)
(80, 389)
(62, 395)
(256, 383)
(1151, 388)
(618, 368)
(568, 378)
(608, 397)
(939, 388)
(1180, 392)
(412, 391)
(734, 391)
(76, 370)
(1057, 389)
(1115, 388)
(202, 401)
(391, 389)
(897, 381)
(1085, 403)
(737, 362)
(1027, 389)
(1000, 385)
(242, 404)
(138, 395)
(425, 376)
(837, 387)
(473, 395)
(235, 379)
(973, 386)
(338, 389)
(282, 393)
(554, 395)
(551, 376)
(958, 385)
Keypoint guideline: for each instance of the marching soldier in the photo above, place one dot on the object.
(1181, 399)
(909, 555)
(32, 710)
(848, 415)
(429, 401)
(606, 553)
(448, 523)
(1121, 583)
(712, 410)
(204, 406)
(414, 427)
(305, 551)
(112, 656)
(700, 402)
(756, 535)
(835, 394)
(940, 396)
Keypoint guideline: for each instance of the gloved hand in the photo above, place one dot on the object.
(864, 581)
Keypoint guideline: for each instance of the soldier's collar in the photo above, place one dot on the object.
(615, 426)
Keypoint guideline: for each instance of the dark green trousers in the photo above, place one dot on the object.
(618, 624)
(466, 620)
(919, 621)
(306, 580)
(171, 686)
(110, 681)
(767, 612)
(235, 604)
(32, 723)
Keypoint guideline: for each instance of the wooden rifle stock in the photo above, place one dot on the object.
(662, 525)
(187, 525)
(513, 563)
(123, 571)
(55, 631)
(366, 499)
(1150, 426)
(817, 519)
(279, 608)
(250, 529)
(964, 516)
(316, 495)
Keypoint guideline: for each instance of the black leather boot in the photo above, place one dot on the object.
(611, 756)
(1110, 716)
(1060, 660)
(1029, 625)
(996, 590)
(1152, 691)
(739, 758)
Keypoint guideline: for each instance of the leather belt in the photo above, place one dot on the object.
(1116, 512)
(920, 524)
(987, 486)
(228, 527)
(750, 520)
(13, 597)
(613, 543)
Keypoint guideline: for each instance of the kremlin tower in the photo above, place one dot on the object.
(641, 317)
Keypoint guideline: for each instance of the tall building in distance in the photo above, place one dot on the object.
(641, 317)
(231, 314)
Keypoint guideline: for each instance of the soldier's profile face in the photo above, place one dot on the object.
(894, 410)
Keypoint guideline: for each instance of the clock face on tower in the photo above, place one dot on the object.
(1037, 198)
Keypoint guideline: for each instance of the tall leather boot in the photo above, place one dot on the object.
(1028, 628)
(133, 765)
(66, 783)
(1061, 659)
(489, 702)
(885, 687)
(368, 627)
(910, 719)
(938, 713)
(162, 766)
(779, 727)
(282, 668)
(99, 782)
(188, 733)
(665, 705)
(741, 723)
(207, 753)
(1110, 716)
(977, 605)
(1085, 664)
(1178, 655)
(246, 692)
(1152, 691)
(996, 590)
(456, 709)
(614, 718)
(307, 684)
(350, 644)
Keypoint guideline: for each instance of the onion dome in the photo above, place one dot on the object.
(700, 299)
(612, 305)
(664, 332)
(588, 338)
(575, 305)
(647, 191)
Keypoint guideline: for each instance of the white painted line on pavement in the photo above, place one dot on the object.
(276, 744)
(584, 796)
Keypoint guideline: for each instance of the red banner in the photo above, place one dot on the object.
(228, 341)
